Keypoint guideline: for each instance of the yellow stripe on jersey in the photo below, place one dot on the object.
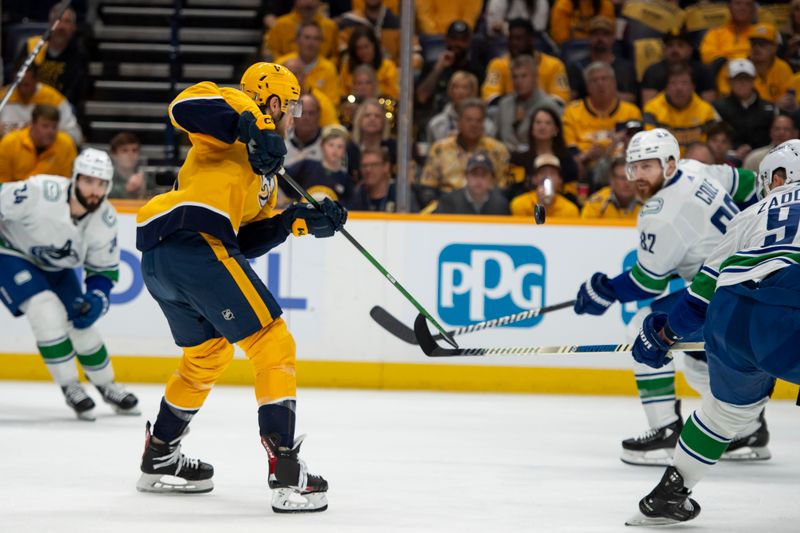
(240, 278)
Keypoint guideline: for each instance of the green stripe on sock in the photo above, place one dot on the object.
(701, 443)
(56, 351)
(650, 388)
(94, 359)
(647, 281)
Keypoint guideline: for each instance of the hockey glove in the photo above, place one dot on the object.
(88, 308)
(650, 347)
(265, 148)
(595, 296)
(304, 219)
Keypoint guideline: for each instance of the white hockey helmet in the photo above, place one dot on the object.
(95, 163)
(785, 156)
(652, 144)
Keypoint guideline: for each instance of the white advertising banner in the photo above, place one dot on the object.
(462, 272)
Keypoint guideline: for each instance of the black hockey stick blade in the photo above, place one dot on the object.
(425, 339)
(392, 325)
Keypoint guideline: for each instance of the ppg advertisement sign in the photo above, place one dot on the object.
(484, 281)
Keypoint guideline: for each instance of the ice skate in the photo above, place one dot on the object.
(166, 469)
(294, 490)
(668, 503)
(79, 401)
(656, 446)
(122, 401)
(752, 447)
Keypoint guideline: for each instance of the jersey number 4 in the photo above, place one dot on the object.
(788, 223)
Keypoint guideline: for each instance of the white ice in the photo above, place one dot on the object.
(395, 461)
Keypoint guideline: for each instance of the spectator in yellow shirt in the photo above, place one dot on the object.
(546, 181)
(773, 75)
(679, 109)
(328, 113)
(569, 19)
(282, 38)
(434, 16)
(617, 200)
(521, 40)
(28, 94)
(38, 149)
(319, 72)
(364, 48)
(730, 41)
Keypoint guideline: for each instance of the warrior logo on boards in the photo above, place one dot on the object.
(480, 282)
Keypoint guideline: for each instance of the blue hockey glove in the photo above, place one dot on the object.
(650, 348)
(265, 148)
(88, 308)
(304, 219)
(595, 296)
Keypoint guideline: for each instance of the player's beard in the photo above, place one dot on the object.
(645, 194)
(90, 204)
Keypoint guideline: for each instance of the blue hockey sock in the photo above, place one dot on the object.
(171, 421)
(278, 418)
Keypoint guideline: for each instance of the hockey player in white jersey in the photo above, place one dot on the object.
(748, 295)
(687, 208)
(50, 225)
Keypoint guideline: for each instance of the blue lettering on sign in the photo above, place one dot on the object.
(480, 282)
(274, 285)
(629, 309)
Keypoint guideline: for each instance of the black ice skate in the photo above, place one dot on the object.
(668, 503)
(752, 447)
(79, 401)
(166, 469)
(294, 490)
(122, 401)
(656, 446)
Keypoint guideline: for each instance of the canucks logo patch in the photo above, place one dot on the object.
(652, 207)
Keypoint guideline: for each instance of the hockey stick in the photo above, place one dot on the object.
(300, 190)
(24, 68)
(431, 349)
(406, 334)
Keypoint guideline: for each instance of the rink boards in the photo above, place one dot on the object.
(462, 269)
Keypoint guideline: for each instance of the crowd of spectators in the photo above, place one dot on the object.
(516, 102)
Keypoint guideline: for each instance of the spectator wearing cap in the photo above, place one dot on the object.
(601, 48)
(282, 38)
(679, 109)
(30, 93)
(591, 124)
(678, 48)
(569, 19)
(773, 75)
(479, 196)
(782, 129)
(377, 190)
(521, 41)
(616, 201)
(434, 17)
(731, 40)
(319, 72)
(514, 111)
(462, 85)
(447, 159)
(328, 177)
(545, 185)
(744, 110)
(432, 88)
(38, 149)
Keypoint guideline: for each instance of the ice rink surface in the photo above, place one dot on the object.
(395, 461)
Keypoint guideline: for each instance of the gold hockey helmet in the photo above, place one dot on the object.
(263, 80)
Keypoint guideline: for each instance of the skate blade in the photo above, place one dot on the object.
(640, 520)
(660, 457)
(172, 484)
(291, 501)
(133, 411)
(86, 416)
(747, 454)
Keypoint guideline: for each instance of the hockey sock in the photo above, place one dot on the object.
(59, 357)
(97, 366)
(699, 448)
(657, 393)
(171, 421)
(278, 418)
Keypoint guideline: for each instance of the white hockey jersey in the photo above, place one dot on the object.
(36, 224)
(683, 222)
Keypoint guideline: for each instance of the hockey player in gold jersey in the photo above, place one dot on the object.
(195, 242)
